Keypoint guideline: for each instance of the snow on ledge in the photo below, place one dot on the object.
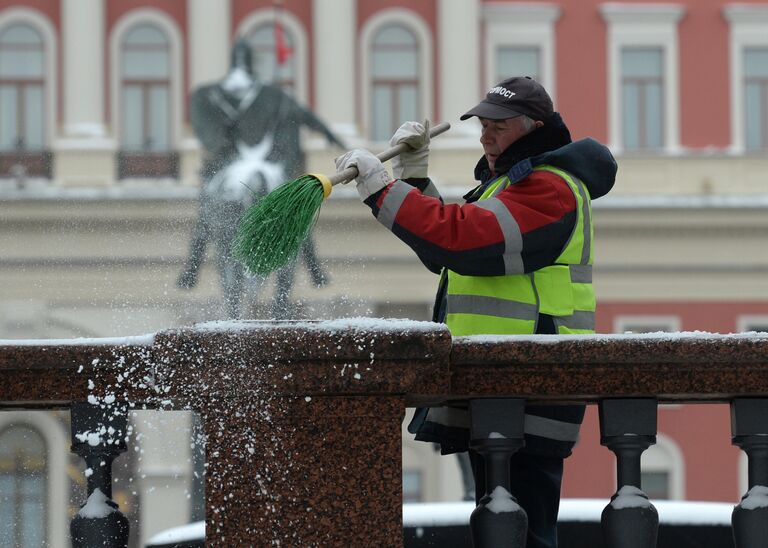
(656, 336)
(670, 512)
(365, 324)
(183, 533)
(421, 514)
(137, 340)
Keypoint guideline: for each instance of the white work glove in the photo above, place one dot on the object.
(415, 161)
(372, 175)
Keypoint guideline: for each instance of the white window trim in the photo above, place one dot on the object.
(298, 33)
(666, 456)
(419, 27)
(744, 322)
(521, 24)
(42, 24)
(621, 322)
(748, 28)
(56, 446)
(172, 32)
(644, 25)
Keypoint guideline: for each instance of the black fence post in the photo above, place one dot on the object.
(496, 433)
(628, 427)
(98, 436)
(749, 430)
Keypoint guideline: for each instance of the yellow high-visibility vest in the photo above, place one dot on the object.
(511, 304)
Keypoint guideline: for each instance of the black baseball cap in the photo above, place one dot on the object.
(514, 97)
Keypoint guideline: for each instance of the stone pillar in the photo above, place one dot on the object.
(749, 428)
(458, 61)
(84, 152)
(303, 425)
(334, 31)
(497, 433)
(208, 40)
(83, 50)
(628, 427)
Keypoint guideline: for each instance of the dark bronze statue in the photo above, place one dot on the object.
(250, 132)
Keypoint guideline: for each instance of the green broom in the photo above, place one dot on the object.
(272, 230)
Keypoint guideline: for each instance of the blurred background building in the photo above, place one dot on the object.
(99, 185)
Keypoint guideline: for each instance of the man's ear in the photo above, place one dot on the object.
(538, 123)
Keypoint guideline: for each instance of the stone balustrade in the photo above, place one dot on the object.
(303, 419)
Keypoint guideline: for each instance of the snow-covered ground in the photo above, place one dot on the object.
(457, 513)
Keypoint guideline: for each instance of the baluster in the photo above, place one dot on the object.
(628, 427)
(98, 436)
(749, 430)
(496, 433)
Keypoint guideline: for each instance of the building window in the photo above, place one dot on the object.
(413, 486)
(395, 83)
(520, 41)
(518, 61)
(23, 492)
(23, 103)
(753, 323)
(643, 76)
(663, 470)
(756, 98)
(145, 117)
(749, 76)
(263, 40)
(646, 324)
(411, 311)
(655, 484)
(642, 98)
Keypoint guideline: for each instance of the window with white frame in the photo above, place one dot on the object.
(395, 71)
(518, 61)
(145, 85)
(756, 98)
(642, 98)
(146, 127)
(413, 486)
(23, 491)
(662, 470)
(643, 87)
(520, 41)
(757, 323)
(22, 79)
(23, 102)
(264, 40)
(749, 76)
(646, 324)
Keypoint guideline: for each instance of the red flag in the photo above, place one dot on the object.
(282, 50)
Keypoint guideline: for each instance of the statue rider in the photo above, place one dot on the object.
(250, 132)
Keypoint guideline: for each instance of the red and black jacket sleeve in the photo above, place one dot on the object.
(522, 229)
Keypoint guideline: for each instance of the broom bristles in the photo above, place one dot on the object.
(272, 231)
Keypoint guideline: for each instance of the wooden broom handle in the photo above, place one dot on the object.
(351, 172)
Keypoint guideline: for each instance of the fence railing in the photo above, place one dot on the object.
(303, 419)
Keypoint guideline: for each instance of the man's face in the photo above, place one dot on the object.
(497, 135)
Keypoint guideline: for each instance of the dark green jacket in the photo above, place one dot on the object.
(219, 123)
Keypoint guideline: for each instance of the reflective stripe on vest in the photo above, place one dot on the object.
(511, 304)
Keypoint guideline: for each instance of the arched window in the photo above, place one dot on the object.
(394, 80)
(663, 470)
(145, 101)
(23, 491)
(23, 109)
(264, 40)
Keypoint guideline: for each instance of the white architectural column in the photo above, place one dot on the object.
(209, 40)
(83, 49)
(459, 60)
(334, 45)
